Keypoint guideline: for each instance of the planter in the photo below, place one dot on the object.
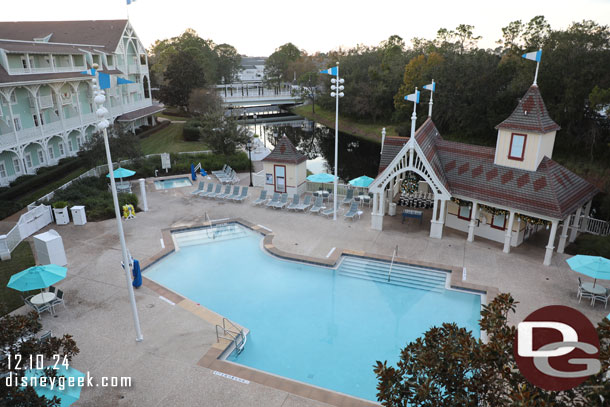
(61, 216)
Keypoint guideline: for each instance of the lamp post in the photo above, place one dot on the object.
(254, 124)
(336, 87)
(249, 147)
(102, 126)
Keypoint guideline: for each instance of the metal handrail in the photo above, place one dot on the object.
(392, 263)
(237, 337)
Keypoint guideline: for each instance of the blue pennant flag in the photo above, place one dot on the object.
(413, 97)
(88, 72)
(330, 71)
(121, 81)
(533, 56)
(431, 87)
(103, 78)
(130, 1)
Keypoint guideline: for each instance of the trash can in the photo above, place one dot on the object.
(392, 209)
(78, 215)
(50, 248)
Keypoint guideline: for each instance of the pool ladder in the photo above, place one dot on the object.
(231, 333)
(392, 263)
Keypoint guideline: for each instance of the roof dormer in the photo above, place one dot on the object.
(527, 135)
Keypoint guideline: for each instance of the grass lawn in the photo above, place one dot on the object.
(169, 140)
(368, 131)
(21, 258)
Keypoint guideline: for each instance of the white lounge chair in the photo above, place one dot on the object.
(353, 211)
(262, 198)
(317, 205)
(306, 203)
(295, 202)
(234, 195)
(282, 202)
(199, 188)
(207, 191)
(243, 196)
(275, 199)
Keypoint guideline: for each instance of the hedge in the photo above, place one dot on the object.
(591, 245)
(154, 129)
(45, 175)
(181, 163)
(191, 130)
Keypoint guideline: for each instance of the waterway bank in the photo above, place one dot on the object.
(366, 131)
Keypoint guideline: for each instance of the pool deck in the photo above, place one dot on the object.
(175, 363)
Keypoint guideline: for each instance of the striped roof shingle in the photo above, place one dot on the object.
(530, 115)
(285, 152)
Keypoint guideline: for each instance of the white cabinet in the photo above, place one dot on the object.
(61, 216)
(50, 248)
(79, 217)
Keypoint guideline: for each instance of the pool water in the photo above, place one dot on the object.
(322, 326)
(173, 183)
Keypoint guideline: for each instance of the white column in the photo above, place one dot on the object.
(509, 232)
(443, 210)
(585, 220)
(574, 230)
(564, 235)
(473, 221)
(376, 215)
(79, 108)
(549, 248)
(10, 110)
(60, 110)
(143, 195)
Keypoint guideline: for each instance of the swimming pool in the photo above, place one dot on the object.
(173, 183)
(322, 326)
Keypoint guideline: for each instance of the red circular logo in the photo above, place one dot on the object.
(556, 348)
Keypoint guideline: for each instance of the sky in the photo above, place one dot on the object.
(257, 28)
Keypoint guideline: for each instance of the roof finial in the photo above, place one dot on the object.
(534, 56)
(432, 88)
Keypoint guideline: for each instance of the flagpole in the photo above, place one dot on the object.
(537, 66)
(431, 103)
(414, 115)
(336, 143)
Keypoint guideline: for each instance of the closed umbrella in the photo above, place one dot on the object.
(37, 277)
(592, 266)
(69, 394)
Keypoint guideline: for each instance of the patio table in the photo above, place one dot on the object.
(42, 298)
(597, 290)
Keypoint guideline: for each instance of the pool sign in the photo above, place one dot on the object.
(557, 348)
(165, 161)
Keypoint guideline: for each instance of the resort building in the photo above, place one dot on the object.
(285, 169)
(505, 194)
(46, 102)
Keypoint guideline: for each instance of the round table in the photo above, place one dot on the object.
(42, 298)
(597, 290)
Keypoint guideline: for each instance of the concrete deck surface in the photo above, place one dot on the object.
(164, 367)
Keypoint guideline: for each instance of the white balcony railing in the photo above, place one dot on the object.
(45, 102)
(28, 134)
(51, 128)
(46, 69)
(8, 139)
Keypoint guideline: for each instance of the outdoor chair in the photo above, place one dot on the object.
(199, 188)
(306, 203)
(295, 202)
(59, 299)
(582, 293)
(353, 211)
(329, 212)
(216, 192)
(603, 298)
(275, 199)
(235, 193)
(45, 337)
(349, 197)
(243, 196)
(225, 194)
(38, 308)
(262, 198)
(224, 167)
(282, 202)
(317, 205)
(207, 191)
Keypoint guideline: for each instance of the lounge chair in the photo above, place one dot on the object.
(282, 202)
(275, 199)
(261, 199)
(207, 191)
(306, 203)
(349, 197)
(243, 196)
(234, 195)
(199, 188)
(317, 205)
(215, 193)
(224, 167)
(45, 337)
(225, 194)
(329, 212)
(353, 211)
(295, 202)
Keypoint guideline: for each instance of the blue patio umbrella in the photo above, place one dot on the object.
(362, 181)
(69, 394)
(121, 173)
(592, 266)
(322, 178)
(37, 277)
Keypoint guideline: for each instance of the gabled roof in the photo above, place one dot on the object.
(285, 152)
(106, 33)
(390, 147)
(530, 115)
(469, 171)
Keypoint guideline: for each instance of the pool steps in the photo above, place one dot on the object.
(402, 275)
(209, 235)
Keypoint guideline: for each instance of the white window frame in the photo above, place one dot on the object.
(13, 98)
(51, 153)
(17, 165)
(2, 170)
(40, 156)
(79, 142)
(62, 150)
(17, 123)
(36, 121)
(28, 160)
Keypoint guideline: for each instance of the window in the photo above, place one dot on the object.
(516, 150)
(35, 117)
(16, 165)
(40, 157)
(465, 212)
(280, 178)
(110, 60)
(498, 222)
(79, 142)
(51, 155)
(17, 122)
(70, 148)
(14, 98)
(2, 170)
(61, 149)
(24, 62)
(28, 160)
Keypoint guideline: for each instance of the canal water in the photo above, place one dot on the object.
(356, 156)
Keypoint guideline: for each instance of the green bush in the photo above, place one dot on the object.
(191, 130)
(181, 163)
(7, 208)
(60, 204)
(591, 245)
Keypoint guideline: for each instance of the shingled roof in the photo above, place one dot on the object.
(285, 152)
(469, 171)
(530, 115)
(105, 33)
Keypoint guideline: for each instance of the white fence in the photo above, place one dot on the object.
(596, 226)
(29, 223)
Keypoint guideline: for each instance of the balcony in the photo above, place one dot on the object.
(44, 102)
(46, 69)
